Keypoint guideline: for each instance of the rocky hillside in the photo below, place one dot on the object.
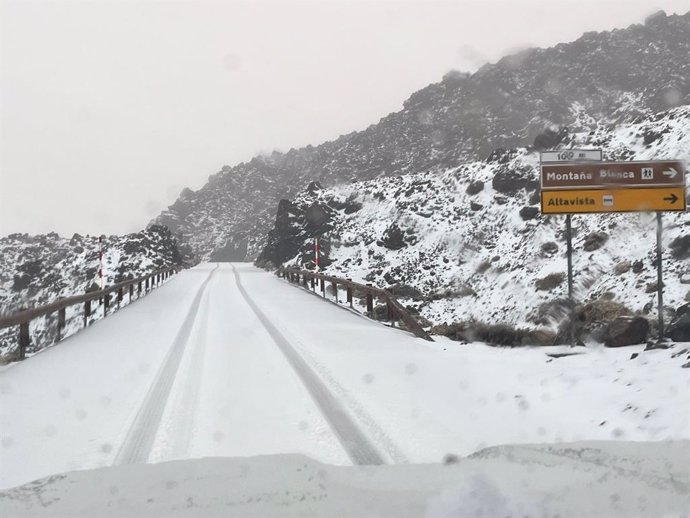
(524, 99)
(37, 270)
(469, 243)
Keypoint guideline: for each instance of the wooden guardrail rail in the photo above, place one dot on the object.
(22, 318)
(395, 310)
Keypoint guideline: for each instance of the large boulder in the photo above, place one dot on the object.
(393, 238)
(679, 328)
(508, 181)
(626, 330)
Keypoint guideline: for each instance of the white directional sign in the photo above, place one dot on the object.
(571, 155)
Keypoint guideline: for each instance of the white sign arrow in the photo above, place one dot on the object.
(670, 172)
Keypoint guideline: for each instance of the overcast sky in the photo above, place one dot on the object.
(109, 108)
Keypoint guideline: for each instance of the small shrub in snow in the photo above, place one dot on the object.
(601, 311)
(549, 247)
(483, 267)
(622, 267)
(405, 291)
(595, 241)
(551, 281)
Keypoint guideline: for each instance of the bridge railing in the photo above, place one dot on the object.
(395, 312)
(23, 318)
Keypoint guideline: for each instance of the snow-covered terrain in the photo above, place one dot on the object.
(572, 480)
(230, 361)
(470, 243)
(37, 270)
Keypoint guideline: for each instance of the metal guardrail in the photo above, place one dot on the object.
(395, 310)
(22, 318)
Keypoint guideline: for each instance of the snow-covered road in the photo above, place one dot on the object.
(230, 361)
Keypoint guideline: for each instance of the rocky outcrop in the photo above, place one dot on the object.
(296, 227)
(627, 330)
(679, 328)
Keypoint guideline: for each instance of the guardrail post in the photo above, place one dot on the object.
(24, 339)
(304, 280)
(120, 295)
(87, 312)
(391, 313)
(313, 284)
(370, 303)
(335, 290)
(146, 288)
(139, 289)
(106, 304)
(323, 287)
(131, 292)
(60, 323)
(349, 293)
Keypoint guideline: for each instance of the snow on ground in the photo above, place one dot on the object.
(192, 370)
(573, 480)
(434, 399)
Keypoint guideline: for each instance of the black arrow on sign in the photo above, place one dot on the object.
(671, 199)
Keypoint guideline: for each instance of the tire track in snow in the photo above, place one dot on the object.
(136, 447)
(355, 443)
(185, 406)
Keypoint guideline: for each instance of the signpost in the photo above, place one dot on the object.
(583, 201)
(612, 175)
(578, 182)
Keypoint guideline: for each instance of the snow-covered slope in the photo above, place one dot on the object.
(608, 76)
(37, 270)
(470, 243)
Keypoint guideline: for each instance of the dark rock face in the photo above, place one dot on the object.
(627, 330)
(528, 213)
(679, 328)
(475, 187)
(463, 117)
(680, 247)
(393, 238)
(296, 228)
(507, 181)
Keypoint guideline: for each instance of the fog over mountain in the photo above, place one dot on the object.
(525, 99)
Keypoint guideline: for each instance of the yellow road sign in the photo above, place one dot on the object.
(613, 200)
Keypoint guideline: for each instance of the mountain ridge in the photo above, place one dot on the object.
(600, 77)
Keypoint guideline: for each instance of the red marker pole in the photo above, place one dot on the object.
(100, 259)
(316, 254)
